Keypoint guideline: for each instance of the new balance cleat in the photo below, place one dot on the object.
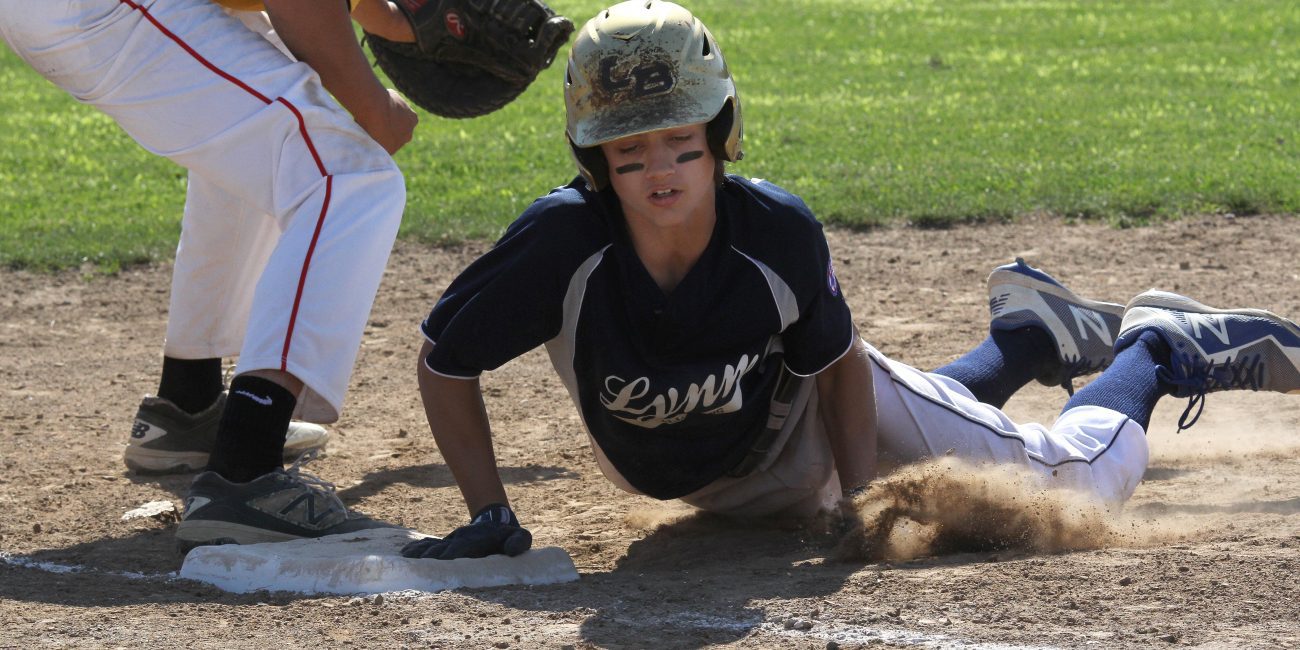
(281, 505)
(167, 440)
(1215, 349)
(1083, 330)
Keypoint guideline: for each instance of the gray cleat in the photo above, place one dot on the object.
(167, 440)
(278, 506)
(1084, 330)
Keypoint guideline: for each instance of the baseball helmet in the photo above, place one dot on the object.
(642, 66)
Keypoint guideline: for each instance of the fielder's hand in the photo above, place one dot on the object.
(493, 531)
(391, 123)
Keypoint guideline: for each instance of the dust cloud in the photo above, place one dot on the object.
(947, 506)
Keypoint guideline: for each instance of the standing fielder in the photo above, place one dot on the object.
(293, 205)
(226, 245)
(696, 320)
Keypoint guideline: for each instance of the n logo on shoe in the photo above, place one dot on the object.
(1217, 325)
(307, 501)
(194, 503)
(1087, 319)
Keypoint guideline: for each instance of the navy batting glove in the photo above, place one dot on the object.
(493, 531)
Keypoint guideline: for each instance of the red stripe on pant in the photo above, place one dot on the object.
(311, 147)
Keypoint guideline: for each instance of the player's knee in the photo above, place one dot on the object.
(388, 192)
(393, 183)
(384, 184)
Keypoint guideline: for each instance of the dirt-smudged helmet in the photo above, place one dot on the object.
(642, 66)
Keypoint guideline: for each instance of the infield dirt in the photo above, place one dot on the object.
(1206, 554)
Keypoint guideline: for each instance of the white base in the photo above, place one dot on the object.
(365, 562)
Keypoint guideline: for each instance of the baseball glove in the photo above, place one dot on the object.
(470, 57)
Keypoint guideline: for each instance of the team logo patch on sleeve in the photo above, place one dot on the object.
(832, 282)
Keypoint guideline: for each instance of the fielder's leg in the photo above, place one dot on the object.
(189, 82)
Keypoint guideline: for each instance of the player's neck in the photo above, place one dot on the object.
(668, 253)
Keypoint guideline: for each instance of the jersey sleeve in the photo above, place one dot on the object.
(506, 302)
(793, 243)
(824, 330)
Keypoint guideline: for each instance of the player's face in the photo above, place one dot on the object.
(664, 177)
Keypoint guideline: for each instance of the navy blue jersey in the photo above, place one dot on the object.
(673, 388)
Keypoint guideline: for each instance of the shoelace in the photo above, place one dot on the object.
(1202, 376)
(313, 482)
(1077, 367)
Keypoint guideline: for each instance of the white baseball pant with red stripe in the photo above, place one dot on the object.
(292, 208)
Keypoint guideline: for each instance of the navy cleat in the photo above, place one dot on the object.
(1215, 349)
(278, 506)
(1083, 330)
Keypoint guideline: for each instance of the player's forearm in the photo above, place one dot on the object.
(458, 421)
(848, 409)
(383, 18)
(320, 35)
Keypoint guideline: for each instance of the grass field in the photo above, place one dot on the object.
(875, 111)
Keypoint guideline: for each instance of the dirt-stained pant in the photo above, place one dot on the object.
(292, 208)
(920, 416)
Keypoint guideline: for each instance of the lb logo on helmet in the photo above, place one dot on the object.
(647, 79)
(455, 25)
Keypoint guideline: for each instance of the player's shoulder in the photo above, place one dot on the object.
(569, 215)
(563, 202)
(761, 187)
(767, 207)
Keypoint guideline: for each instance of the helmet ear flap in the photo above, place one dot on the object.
(723, 132)
(592, 165)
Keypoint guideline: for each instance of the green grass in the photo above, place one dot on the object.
(73, 187)
(875, 111)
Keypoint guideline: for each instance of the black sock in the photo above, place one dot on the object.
(250, 438)
(1003, 363)
(191, 384)
(1131, 385)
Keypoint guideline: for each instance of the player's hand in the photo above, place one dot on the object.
(391, 123)
(493, 531)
